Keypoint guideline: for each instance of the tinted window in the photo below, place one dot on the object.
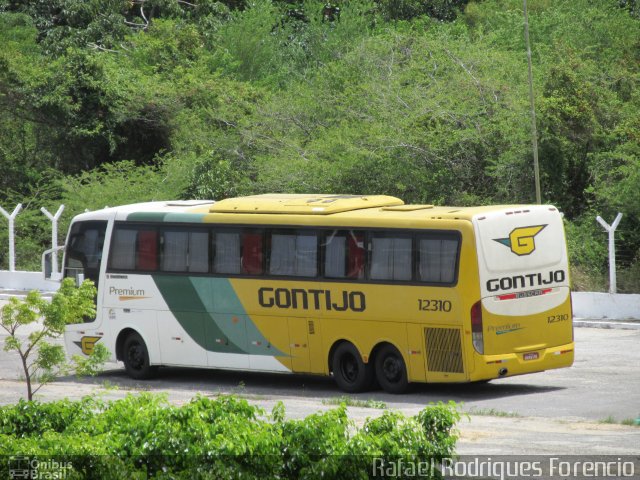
(344, 254)
(239, 252)
(185, 250)
(294, 253)
(226, 252)
(123, 249)
(391, 257)
(438, 257)
(134, 248)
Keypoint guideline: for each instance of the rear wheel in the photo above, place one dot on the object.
(391, 370)
(351, 374)
(136, 358)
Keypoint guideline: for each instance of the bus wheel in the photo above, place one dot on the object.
(391, 371)
(351, 374)
(136, 358)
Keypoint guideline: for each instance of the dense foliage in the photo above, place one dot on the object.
(105, 102)
(145, 437)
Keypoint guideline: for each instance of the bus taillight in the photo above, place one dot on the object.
(476, 327)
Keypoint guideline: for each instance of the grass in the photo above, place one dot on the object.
(355, 402)
(492, 412)
(108, 385)
(584, 280)
(608, 420)
(631, 422)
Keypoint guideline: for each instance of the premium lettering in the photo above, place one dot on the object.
(126, 291)
(526, 281)
(314, 299)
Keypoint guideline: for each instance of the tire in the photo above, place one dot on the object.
(349, 371)
(136, 358)
(391, 370)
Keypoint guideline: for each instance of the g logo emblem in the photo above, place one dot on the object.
(86, 344)
(521, 240)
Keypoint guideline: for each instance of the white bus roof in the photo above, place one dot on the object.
(303, 209)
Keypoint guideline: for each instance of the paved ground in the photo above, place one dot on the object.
(554, 412)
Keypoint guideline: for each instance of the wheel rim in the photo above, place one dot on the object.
(349, 368)
(392, 368)
(135, 356)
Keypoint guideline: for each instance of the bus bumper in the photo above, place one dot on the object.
(489, 367)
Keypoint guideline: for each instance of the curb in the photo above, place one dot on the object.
(607, 324)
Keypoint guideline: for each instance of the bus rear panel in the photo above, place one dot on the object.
(522, 322)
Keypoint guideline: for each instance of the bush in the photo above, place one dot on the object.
(145, 437)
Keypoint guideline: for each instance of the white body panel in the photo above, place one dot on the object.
(522, 258)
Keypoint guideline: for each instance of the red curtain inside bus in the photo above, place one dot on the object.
(252, 254)
(355, 261)
(147, 257)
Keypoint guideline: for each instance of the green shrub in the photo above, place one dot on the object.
(144, 436)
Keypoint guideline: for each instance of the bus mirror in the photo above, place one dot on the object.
(50, 264)
(46, 265)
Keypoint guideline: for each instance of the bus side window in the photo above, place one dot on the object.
(123, 249)
(185, 250)
(293, 253)
(226, 252)
(438, 257)
(344, 254)
(391, 257)
(199, 252)
(134, 248)
(175, 251)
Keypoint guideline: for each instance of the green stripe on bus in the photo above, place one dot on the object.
(212, 314)
(146, 217)
(164, 217)
(226, 300)
(186, 305)
(184, 217)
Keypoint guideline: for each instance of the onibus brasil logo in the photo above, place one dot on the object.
(521, 240)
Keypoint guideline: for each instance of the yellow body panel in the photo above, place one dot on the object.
(393, 313)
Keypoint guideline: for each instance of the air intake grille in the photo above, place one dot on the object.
(443, 350)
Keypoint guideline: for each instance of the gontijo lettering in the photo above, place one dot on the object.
(311, 298)
(524, 281)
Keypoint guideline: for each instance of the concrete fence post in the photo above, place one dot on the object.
(55, 274)
(611, 229)
(12, 240)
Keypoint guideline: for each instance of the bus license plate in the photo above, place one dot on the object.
(531, 356)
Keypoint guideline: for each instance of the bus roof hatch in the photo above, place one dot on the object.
(303, 204)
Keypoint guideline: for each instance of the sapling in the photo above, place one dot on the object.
(41, 360)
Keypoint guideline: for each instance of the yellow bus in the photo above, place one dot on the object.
(363, 288)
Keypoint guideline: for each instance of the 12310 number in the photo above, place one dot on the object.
(434, 305)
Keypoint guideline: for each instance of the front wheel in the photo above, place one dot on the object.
(351, 374)
(136, 358)
(391, 370)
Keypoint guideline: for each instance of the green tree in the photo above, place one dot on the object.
(444, 10)
(42, 361)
